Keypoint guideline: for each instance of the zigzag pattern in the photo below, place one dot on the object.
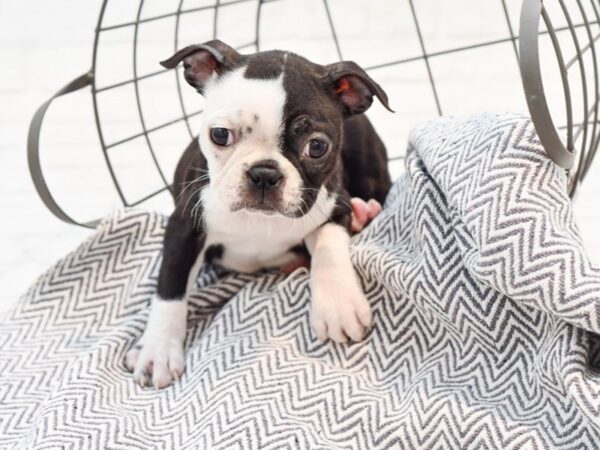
(485, 308)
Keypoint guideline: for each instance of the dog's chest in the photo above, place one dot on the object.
(251, 242)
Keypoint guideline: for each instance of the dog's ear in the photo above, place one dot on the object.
(201, 62)
(353, 87)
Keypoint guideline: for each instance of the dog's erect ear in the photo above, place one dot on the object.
(200, 62)
(353, 87)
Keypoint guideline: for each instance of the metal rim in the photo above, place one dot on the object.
(531, 75)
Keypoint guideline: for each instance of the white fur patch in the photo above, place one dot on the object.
(254, 240)
(256, 108)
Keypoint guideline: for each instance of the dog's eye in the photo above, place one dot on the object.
(221, 136)
(317, 148)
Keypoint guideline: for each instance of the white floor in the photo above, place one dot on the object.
(44, 44)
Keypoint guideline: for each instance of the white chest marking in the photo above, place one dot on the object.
(253, 241)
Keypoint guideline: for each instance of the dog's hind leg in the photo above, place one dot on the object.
(363, 212)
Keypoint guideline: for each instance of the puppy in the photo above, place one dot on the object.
(283, 147)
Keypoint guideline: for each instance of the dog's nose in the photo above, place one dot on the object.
(264, 177)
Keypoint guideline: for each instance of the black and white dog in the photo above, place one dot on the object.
(284, 148)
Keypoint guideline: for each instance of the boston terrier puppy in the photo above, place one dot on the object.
(283, 147)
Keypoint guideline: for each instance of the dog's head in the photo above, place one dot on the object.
(272, 124)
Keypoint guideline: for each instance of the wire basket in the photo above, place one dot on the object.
(398, 42)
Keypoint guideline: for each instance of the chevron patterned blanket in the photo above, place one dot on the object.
(485, 306)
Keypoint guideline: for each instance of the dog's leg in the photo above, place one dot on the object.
(157, 358)
(340, 309)
(362, 214)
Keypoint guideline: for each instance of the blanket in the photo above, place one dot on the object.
(486, 321)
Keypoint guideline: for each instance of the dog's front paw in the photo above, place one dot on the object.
(157, 358)
(156, 361)
(340, 312)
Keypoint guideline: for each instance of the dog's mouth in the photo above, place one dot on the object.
(271, 202)
(259, 206)
(263, 208)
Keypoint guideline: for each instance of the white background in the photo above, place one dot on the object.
(45, 44)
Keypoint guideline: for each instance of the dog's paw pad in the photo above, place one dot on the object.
(341, 314)
(156, 364)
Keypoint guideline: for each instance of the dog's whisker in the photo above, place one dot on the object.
(187, 202)
(200, 178)
(316, 203)
(203, 176)
(187, 184)
(196, 192)
(195, 208)
(190, 183)
(306, 214)
(303, 217)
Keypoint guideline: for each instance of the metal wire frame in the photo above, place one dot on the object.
(575, 158)
(425, 56)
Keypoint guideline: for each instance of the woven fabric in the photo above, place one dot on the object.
(486, 310)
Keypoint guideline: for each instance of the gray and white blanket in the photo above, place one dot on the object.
(485, 308)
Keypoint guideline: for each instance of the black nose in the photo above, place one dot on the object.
(264, 177)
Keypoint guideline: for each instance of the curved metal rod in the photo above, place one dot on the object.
(332, 28)
(168, 15)
(586, 112)
(529, 64)
(564, 77)
(216, 18)
(257, 25)
(582, 157)
(138, 100)
(513, 38)
(33, 152)
(95, 105)
(177, 80)
(595, 137)
(425, 56)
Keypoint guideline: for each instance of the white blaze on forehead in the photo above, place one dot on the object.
(253, 110)
(234, 99)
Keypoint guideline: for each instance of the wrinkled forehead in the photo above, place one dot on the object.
(235, 99)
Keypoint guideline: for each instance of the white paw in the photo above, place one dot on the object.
(157, 359)
(340, 312)
(156, 362)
